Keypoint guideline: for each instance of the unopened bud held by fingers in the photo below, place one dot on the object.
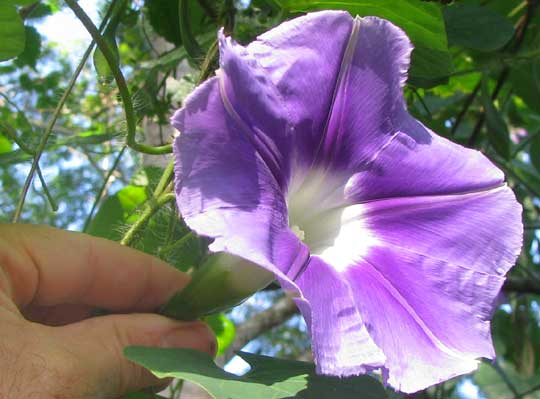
(223, 281)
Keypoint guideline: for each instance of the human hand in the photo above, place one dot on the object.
(51, 283)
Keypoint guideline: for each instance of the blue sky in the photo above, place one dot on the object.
(65, 29)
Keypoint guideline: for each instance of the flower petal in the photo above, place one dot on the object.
(434, 264)
(224, 189)
(303, 57)
(343, 109)
(341, 343)
(417, 350)
(417, 162)
(253, 101)
(368, 95)
(479, 230)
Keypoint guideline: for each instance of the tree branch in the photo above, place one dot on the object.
(282, 310)
(466, 105)
(497, 367)
(522, 285)
(528, 392)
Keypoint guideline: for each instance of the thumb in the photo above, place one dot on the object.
(94, 349)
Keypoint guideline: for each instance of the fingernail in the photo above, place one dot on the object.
(196, 336)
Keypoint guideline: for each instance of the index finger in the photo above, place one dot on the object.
(45, 266)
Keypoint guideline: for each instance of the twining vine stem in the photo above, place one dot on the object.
(151, 208)
(103, 187)
(164, 185)
(123, 89)
(161, 196)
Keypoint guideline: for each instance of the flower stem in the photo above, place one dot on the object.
(151, 208)
(160, 197)
(177, 244)
(206, 67)
(165, 179)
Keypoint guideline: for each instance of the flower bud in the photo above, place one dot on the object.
(221, 282)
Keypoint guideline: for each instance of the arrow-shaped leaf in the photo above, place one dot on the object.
(269, 378)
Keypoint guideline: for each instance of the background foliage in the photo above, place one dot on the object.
(85, 147)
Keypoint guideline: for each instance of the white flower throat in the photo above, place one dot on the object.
(315, 202)
(321, 217)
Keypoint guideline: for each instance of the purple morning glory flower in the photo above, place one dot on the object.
(300, 158)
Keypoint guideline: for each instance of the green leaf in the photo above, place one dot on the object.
(13, 157)
(429, 67)
(268, 378)
(40, 11)
(24, 124)
(534, 152)
(224, 330)
(53, 4)
(21, 2)
(173, 57)
(116, 211)
(167, 60)
(477, 27)
(100, 62)
(189, 42)
(423, 23)
(526, 83)
(527, 175)
(5, 144)
(498, 134)
(32, 48)
(109, 35)
(11, 32)
(164, 18)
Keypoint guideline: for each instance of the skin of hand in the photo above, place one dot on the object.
(51, 283)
